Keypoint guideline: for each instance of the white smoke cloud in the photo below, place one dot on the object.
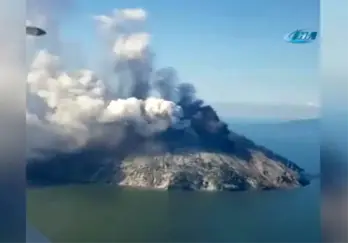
(76, 107)
(125, 27)
(125, 33)
(123, 19)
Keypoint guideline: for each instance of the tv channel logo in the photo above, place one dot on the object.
(301, 36)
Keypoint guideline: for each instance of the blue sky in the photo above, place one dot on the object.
(232, 50)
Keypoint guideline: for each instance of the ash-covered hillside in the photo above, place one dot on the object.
(151, 131)
(207, 156)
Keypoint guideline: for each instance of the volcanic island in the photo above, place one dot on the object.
(204, 155)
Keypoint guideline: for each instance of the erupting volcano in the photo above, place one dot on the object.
(141, 127)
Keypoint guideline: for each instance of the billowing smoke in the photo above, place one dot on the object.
(132, 59)
(68, 111)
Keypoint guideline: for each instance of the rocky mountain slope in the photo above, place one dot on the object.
(246, 166)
